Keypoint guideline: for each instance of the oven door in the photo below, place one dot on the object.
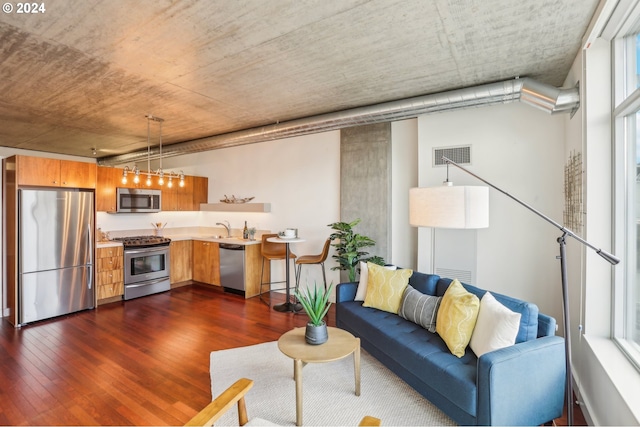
(146, 264)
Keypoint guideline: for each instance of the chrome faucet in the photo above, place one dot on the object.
(227, 226)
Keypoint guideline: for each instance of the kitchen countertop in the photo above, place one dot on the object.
(204, 237)
(216, 239)
(108, 244)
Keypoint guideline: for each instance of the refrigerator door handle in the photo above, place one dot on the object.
(91, 248)
(89, 226)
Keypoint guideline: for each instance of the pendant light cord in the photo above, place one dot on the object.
(148, 143)
(160, 145)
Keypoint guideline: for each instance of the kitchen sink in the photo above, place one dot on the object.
(225, 238)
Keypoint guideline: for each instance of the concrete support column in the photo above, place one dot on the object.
(365, 182)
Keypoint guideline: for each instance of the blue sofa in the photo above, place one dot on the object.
(518, 385)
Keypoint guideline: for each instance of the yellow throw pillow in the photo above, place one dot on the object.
(385, 287)
(457, 317)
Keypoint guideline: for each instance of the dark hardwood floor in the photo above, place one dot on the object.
(139, 362)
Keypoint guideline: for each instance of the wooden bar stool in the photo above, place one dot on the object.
(314, 259)
(272, 252)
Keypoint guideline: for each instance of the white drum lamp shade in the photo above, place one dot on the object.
(449, 207)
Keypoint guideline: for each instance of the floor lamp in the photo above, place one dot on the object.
(467, 207)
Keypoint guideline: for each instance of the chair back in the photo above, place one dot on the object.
(325, 250)
(272, 250)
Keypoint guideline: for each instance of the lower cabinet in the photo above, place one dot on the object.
(191, 260)
(199, 261)
(253, 268)
(181, 254)
(206, 262)
(109, 273)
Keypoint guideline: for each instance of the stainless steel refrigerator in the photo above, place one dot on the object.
(55, 253)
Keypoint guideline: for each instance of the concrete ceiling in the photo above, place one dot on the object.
(84, 73)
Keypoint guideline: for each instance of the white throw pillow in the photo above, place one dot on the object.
(496, 327)
(362, 285)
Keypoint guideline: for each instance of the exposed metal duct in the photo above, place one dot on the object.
(540, 95)
(548, 98)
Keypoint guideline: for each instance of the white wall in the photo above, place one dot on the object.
(520, 150)
(404, 175)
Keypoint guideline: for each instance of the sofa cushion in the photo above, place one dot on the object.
(425, 283)
(385, 287)
(419, 308)
(528, 311)
(496, 327)
(457, 317)
(423, 353)
(364, 280)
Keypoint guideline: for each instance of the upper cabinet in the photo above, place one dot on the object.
(200, 191)
(176, 198)
(187, 198)
(107, 182)
(41, 171)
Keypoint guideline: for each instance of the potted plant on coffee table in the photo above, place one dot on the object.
(315, 303)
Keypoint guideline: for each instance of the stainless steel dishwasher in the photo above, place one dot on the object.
(232, 267)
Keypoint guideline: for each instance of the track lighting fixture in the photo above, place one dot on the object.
(160, 173)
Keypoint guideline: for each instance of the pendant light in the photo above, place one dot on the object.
(160, 173)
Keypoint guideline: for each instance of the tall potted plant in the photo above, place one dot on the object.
(315, 303)
(349, 248)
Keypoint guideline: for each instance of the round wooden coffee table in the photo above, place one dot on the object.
(339, 345)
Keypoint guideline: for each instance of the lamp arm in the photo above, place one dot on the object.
(612, 259)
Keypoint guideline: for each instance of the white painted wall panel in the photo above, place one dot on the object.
(520, 150)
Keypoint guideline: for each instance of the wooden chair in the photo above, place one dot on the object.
(221, 404)
(272, 252)
(235, 394)
(314, 259)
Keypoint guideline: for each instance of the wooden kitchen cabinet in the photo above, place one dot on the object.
(206, 262)
(173, 199)
(176, 198)
(181, 255)
(107, 180)
(200, 191)
(170, 199)
(187, 198)
(185, 195)
(45, 172)
(109, 273)
(253, 267)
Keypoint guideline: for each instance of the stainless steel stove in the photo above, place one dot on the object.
(143, 241)
(146, 265)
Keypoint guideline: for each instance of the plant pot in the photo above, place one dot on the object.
(316, 335)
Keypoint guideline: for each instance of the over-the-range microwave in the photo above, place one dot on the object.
(136, 200)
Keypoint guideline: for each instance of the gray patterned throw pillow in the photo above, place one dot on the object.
(419, 308)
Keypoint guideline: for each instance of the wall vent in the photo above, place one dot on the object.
(462, 275)
(460, 155)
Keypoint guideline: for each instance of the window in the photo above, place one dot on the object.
(626, 80)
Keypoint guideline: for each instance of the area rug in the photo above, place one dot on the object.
(328, 390)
